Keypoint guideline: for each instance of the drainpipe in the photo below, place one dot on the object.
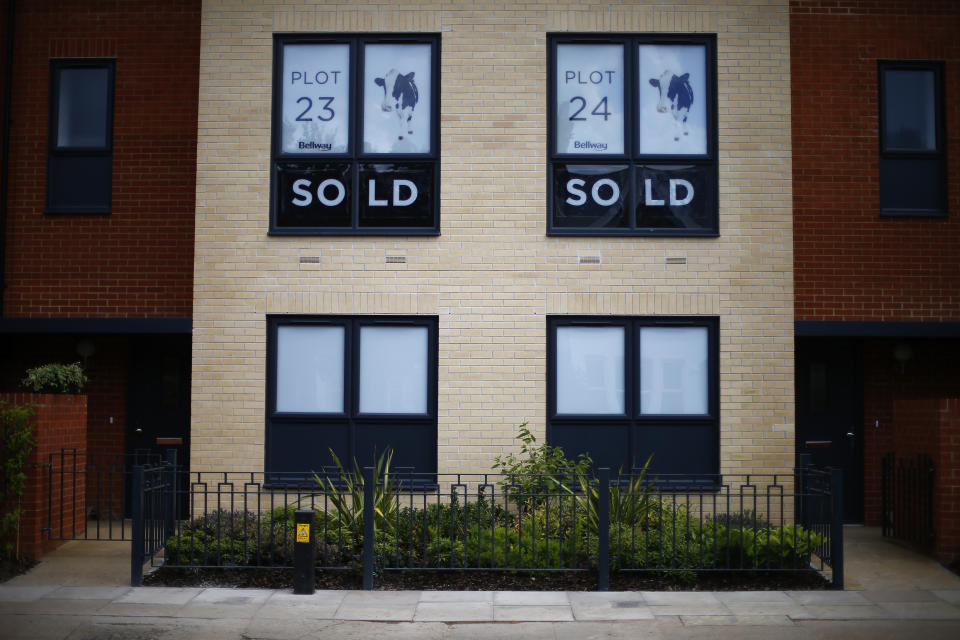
(5, 152)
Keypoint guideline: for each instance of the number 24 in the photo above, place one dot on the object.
(597, 111)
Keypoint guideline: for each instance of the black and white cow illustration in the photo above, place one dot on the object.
(399, 95)
(676, 96)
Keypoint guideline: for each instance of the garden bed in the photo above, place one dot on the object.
(496, 581)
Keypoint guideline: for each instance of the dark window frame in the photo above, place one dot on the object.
(55, 152)
(632, 156)
(937, 155)
(351, 419)
(354, 154)
(633, 422)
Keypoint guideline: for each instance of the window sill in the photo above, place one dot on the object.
(913, 213)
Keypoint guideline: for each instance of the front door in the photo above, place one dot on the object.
(158, 400)
(830, 412)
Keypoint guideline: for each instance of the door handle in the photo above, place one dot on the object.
(850, 434)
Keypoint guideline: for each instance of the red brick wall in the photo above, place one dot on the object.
(60, 422)
(906, 403)
(138, 260)
(851, 264)
(947, 482)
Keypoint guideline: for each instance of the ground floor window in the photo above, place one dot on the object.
(622, 388)
(354, 385)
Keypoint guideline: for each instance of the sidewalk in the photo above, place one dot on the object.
(65, 612)
(892, 593)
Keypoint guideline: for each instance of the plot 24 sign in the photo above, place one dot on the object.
(632, 147)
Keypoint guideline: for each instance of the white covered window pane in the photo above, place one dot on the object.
(82, 109)
(310, 369)
(673, 370)
(393, 370)
(590, 377)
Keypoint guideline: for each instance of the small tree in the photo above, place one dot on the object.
(16, 444)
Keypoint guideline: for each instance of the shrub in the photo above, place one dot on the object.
(348, 500)
(55, 378)
(16, 444)
(538, 471)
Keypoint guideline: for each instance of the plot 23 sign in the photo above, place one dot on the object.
(633, 135)
(355, 135)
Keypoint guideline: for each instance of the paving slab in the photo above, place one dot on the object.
(537, 613)
(827, 597)
(952, 595)
(729, 597)
(40, 627)
(766, 609)
(922, 610)
(10, 593)
(680, 598)
(537, 598)
(456, 596)
(320, 605)
(899, 595)
(454, 612)
(843, 612)
(87, 593)
(738, 621)
(159, 595)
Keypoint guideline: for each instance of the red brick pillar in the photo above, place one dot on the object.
(947, 483)
(60, 422)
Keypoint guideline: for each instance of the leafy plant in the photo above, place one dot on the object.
(55, 378)
(630, 499)
(538, 471)
(16, 443)
(348, 500)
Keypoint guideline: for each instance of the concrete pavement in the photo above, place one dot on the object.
(71, 613)
(893, 593)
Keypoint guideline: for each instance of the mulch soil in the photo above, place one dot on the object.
(13, 567)
(494, 581)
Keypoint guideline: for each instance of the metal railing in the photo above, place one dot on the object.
(88, 494)
(491, 522)
(907, 499)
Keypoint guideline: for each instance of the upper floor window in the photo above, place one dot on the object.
(356, 135)
(632, 135)
(912, 158)
(80, 147)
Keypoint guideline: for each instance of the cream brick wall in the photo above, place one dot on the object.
(493, 275)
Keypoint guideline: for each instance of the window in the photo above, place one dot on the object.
(356, 135)
(632, 136)
(352, 384)
(80, 148)
(621, 388)
(912, 158)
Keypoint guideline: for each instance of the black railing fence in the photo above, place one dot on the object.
(907, 499)
(88, 494)
(490, 522)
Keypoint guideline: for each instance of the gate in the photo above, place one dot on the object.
(907, 499)
(88, 494)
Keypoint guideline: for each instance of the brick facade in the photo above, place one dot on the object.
(493, 275)
(849, 262)
(135, 262)
(853, 265)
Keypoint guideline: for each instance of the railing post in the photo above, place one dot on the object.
(884, 489)
(304, 553)
(836, 527)
(170, 494)
(368, 529)
(603, 531)
(137, 544)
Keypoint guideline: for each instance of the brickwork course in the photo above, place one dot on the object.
(493, 275)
